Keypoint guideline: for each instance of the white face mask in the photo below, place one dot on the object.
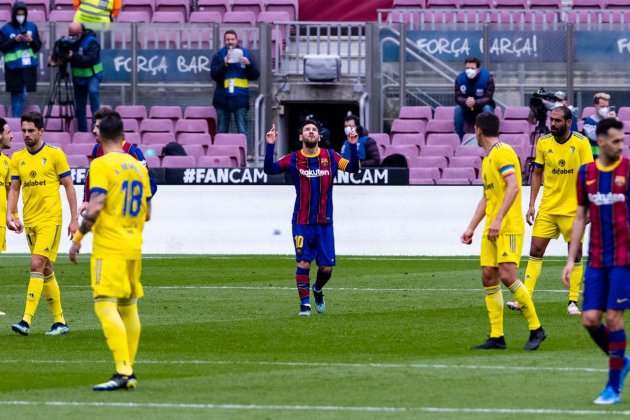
(603, 112)
(471, 73)
(20, 19)
(348, 130)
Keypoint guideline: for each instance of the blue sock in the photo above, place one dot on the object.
(303, 284)
(616, 353)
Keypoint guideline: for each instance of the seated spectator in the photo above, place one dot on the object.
(367, 147)
(474, 89)
(601, 102)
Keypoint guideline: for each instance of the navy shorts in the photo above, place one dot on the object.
(606, 288)
(314, 242)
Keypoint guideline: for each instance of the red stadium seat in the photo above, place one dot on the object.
(439, 162)
(443, 150)
(232, 139)
(156, 125)
(254, 6)
(78, 161)
(415, 113)
(168, 16)
(233, 152)
(444, 113)
(438, 139)
(516, 113)
(470, 151)
(179, 162)
(131, 16)
(171, 112)
(415, 139)
(216, 162)
(410, 4)
(239, 18)
(194, 138)
(289, 6)
(205, 16)
(407, 126)
(157, 138)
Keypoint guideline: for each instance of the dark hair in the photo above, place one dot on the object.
(306, 122)
(473, 60)
(357, 123)
(488, 123)
(566, 112)
(34, 117)
(606, 124)
(3, 122)
(230, 31)
(104, 112)
(111, 128)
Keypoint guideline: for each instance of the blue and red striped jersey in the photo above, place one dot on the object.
(604, 191)
(313, 178)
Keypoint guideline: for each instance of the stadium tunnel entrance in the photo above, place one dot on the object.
(330, 115)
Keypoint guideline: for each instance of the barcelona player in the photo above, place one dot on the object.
(502, 238)
(6, 138)
(39, 169)
(559, 156)
(97, 151)
(118, 208)
(312, 171)
(603, 194)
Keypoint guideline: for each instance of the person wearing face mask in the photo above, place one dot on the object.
(474, 89)
(367, 147)
(20, 43)
(601, 102)
(560, 99)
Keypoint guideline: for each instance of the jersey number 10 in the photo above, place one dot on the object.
(133, 197)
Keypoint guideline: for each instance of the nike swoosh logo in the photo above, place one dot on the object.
(622, 300)
(590, 182)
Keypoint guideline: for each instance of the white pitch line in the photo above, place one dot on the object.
(343, 289)
(322, 364)
(277, 407)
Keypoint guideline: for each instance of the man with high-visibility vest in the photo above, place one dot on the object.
(20, 43)
(87, 72)
(96, 12)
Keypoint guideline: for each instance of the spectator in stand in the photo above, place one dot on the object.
(601, 101)
(20, 44)
(96, 12)
(474, 89)
(367, 147)
(232, 68)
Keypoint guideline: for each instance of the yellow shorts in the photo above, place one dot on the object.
(551, 226)
(44, 240)
(116, 277)
(3, 238)
(506, 249)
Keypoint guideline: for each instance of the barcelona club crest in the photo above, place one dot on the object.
(324, 161)
(620, 180)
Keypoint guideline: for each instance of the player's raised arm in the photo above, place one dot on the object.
(271, 167)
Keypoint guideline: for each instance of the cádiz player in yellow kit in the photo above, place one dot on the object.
(39, 169)
(503, 233)
(119, 205)
(559, 156)
(6, 138)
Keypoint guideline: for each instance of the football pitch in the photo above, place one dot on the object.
(221, 339)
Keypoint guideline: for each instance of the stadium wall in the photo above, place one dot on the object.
(369, 220)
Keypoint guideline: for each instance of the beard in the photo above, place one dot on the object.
(310, 144)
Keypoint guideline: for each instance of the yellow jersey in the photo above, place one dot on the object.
(39, 174)
(561, 163)
(500, 163)
(5, 181)
(118, 229)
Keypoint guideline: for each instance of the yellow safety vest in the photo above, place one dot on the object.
(94, 11)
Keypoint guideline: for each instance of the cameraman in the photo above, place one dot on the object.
(87, 72)
(20, 44)
(560, 99)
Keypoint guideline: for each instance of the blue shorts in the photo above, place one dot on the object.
(606, 288)
(314, 242)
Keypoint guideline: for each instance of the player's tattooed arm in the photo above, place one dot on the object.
(95, 206)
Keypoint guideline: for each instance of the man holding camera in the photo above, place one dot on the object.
(20, 44)
(82, 50)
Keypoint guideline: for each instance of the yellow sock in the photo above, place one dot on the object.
(53, 296)
(575, 281)
(114, 329)
(494, 304)
(33, 293)
(128, 310)
(524, 299)
(532, 272)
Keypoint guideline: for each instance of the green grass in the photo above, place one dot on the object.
(221, 339)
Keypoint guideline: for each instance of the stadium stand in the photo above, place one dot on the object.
(233, 152)
(78, 161)
(449, 139)
(205, 16)
(151, 137)
(169, 112)
(415, 139)
(178, 162)
(420, 176)
(289, 6)
(232, 139)
(215, 162)
(439, 162)
(194, 138)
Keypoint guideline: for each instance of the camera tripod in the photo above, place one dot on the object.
(540, 130)
(61, 94)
